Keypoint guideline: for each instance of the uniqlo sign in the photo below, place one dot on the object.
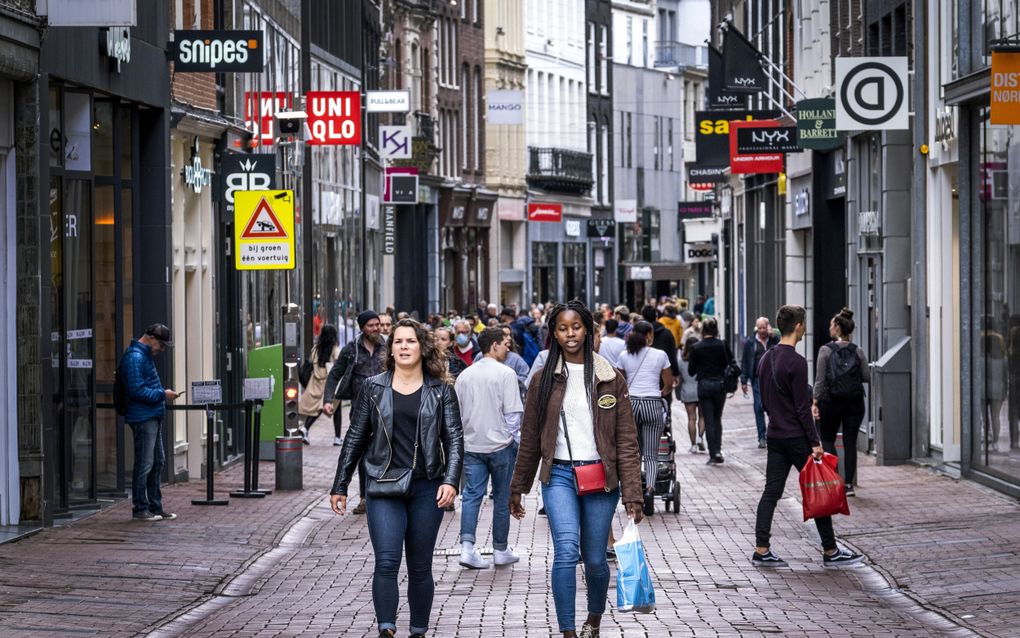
(269, 104)
(334, 117)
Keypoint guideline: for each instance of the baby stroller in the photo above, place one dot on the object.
(666, 484)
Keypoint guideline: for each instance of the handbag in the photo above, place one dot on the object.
(343, 388)
(304, 374)
(590, 478)
(822, 488)
(395, 483)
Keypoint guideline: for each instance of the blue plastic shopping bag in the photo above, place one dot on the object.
(634, 591)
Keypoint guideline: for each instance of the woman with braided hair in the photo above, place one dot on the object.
(578, 413)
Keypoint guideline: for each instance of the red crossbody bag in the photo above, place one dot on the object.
(590, 478)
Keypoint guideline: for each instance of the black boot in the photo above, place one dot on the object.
(649, 508)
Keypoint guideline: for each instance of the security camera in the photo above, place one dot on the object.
(290, 122)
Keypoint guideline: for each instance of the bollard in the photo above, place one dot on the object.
(289, 462)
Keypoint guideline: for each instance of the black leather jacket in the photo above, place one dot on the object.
(442, 436)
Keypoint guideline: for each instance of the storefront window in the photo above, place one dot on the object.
(997, 440)
(574, 269)
(543, 272)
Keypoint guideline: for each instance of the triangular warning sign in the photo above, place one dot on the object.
(263, 223)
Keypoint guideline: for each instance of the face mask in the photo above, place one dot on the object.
(463, 340)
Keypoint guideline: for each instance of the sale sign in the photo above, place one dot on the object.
(269, 104)
(334, 117)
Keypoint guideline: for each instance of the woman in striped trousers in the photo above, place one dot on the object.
(649, 379)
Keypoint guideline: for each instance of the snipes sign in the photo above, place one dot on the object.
(218, 50)
(1005, 87)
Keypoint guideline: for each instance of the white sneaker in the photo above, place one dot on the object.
(504, 556)
(473, 560)
(337, 441)
(694, 449)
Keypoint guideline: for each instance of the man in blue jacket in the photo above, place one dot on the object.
(755, 347)
(146, 406)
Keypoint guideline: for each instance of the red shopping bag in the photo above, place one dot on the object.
(822, 488)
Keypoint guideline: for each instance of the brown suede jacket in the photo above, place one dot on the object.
(615, 433)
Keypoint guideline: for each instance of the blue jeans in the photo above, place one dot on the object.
(396, 525)
(150, 456)
(759, 409)
(580, 529)
(478, 468)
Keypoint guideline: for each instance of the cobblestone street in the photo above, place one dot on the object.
(941, 560)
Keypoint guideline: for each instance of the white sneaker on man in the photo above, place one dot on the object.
(504, 556)
(473, 560)
(337, 441)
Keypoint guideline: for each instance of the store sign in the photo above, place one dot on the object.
(625, 211)
(404, 190)
(601, 227)
(641, 273)
(88, 13)
(700, 253)
(542, 212)
(945, 126)
(698, 174)
(802, 203)
(389, 230)
(868, 222)
(816, 124)
(264, 230)
(395, 142)
(242, 172)
(218, 50)
(753, 163)
(694, 210)
(504, 107)
(572, 227)
(387, 101)
(871, 94)
(1005, 87)
(195, 175)
(712, 133)
(334, 117)
(117, 46)
(742, 72)
(269, 104)
(767, 139)
(717, 96)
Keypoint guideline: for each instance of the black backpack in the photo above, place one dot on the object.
(844, 372)
(120, 391)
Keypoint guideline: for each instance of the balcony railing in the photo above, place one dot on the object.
(561, 170)
(680, 54)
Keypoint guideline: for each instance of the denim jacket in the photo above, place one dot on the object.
(146, 395)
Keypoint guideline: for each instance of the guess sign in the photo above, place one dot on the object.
(334, 117)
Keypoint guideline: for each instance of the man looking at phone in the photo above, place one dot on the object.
(146, 405)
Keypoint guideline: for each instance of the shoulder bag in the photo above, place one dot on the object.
(343, 388)
(396, 482)
(590, 478)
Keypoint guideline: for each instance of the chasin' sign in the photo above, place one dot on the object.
(334, 117)
(1005, 88)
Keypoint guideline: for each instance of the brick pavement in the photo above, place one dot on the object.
(248, 570)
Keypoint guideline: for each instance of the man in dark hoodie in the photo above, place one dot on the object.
(662, 339)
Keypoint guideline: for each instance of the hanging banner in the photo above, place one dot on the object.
(871, 94)
(756, 162)
(712, 133)
(625, 211)
(218, 50)
(816, 124)
(742, 72)
(269, 104)
(334, 117)
(504, 107)
(768, 139)
(717, 95)
(1005, 87)
(541, 212)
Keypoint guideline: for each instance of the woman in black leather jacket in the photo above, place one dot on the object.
(406, 424)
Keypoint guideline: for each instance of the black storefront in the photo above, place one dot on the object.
(104, 249)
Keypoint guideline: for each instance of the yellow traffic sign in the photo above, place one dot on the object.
(264, 230)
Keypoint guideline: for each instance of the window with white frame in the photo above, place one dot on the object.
(465, 100)
(604, 61)
(591, 58)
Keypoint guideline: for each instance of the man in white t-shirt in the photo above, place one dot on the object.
(490, 411)
(612, 345)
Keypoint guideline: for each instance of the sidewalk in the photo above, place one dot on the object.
(941, 561)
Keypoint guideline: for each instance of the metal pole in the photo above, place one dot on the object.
(307, 197)
(918, 239)
(250, 449)
(256, 450)
(210, 431)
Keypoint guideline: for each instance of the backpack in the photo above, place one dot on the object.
(844, 372)
(530, 348)
(120, 391)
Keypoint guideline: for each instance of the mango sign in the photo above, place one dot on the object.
(334, 117)
(1005, 88)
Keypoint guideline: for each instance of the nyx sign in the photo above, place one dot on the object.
(779, 139)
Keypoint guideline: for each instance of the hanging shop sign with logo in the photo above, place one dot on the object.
(625, 211)
(404, 189)
(544, 212)
(268, 105)
(717, 96)
(334, 117)
(694, 210)
(264, 230)
(742, 71)
(218, 50)
(572, 227)
(242, 172)
(712, 133)
(698, 174)
(196, 177)
(389, 230)
(753, 163)
(816, 124)
(387, 101)
(700, 253)
(767, 139)
(395, 142)
(1005, 102)
(871, 94)
(601, 228)
(504, 107)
